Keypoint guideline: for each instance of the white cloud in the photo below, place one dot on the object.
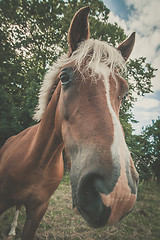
(146, 115)
(147, 103)
(116, 19)
(144, 118)
(144, 19)
(145, 15)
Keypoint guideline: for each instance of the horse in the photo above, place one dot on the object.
(78, 110)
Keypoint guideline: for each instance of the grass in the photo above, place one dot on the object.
(60, 222)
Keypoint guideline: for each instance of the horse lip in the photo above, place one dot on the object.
(108, 202)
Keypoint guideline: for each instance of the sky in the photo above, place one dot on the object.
(142, 17)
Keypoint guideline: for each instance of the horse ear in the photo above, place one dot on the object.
(126, 47)
(79, 28)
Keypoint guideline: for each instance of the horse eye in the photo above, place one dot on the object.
(125, 96)
(65, 78)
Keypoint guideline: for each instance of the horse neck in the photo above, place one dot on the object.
(47, 144)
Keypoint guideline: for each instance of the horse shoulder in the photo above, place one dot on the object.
(13, 152)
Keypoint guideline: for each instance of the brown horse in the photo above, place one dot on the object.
(78, 107)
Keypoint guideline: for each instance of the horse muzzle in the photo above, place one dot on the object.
(99, 206)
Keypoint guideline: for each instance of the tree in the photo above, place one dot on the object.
(146, 151)
(27, 35)
(143, 162)
(33, 34)
(152, 149)
(139, 75)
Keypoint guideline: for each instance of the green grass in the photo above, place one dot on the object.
(60, 222)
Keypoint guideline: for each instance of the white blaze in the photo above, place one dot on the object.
(121, 200)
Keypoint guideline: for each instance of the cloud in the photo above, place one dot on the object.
(145, 20)
(147, 104)
(116, 19)
(143, 17)
(144, 118)
(147, 116)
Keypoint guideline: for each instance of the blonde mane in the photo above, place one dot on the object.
(95, 52)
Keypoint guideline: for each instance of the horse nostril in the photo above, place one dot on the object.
(102, 202)
(90, 203)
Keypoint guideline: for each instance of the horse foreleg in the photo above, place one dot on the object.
(14, 223)
(33, 218)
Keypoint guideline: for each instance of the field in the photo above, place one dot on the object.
(60, 222)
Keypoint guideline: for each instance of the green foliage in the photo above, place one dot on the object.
(146, 151)
(32, 35)
(139, 74)
(151, 135)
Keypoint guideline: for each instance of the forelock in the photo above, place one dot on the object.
(92, 55)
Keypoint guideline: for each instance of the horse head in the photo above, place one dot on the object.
(103, 176)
